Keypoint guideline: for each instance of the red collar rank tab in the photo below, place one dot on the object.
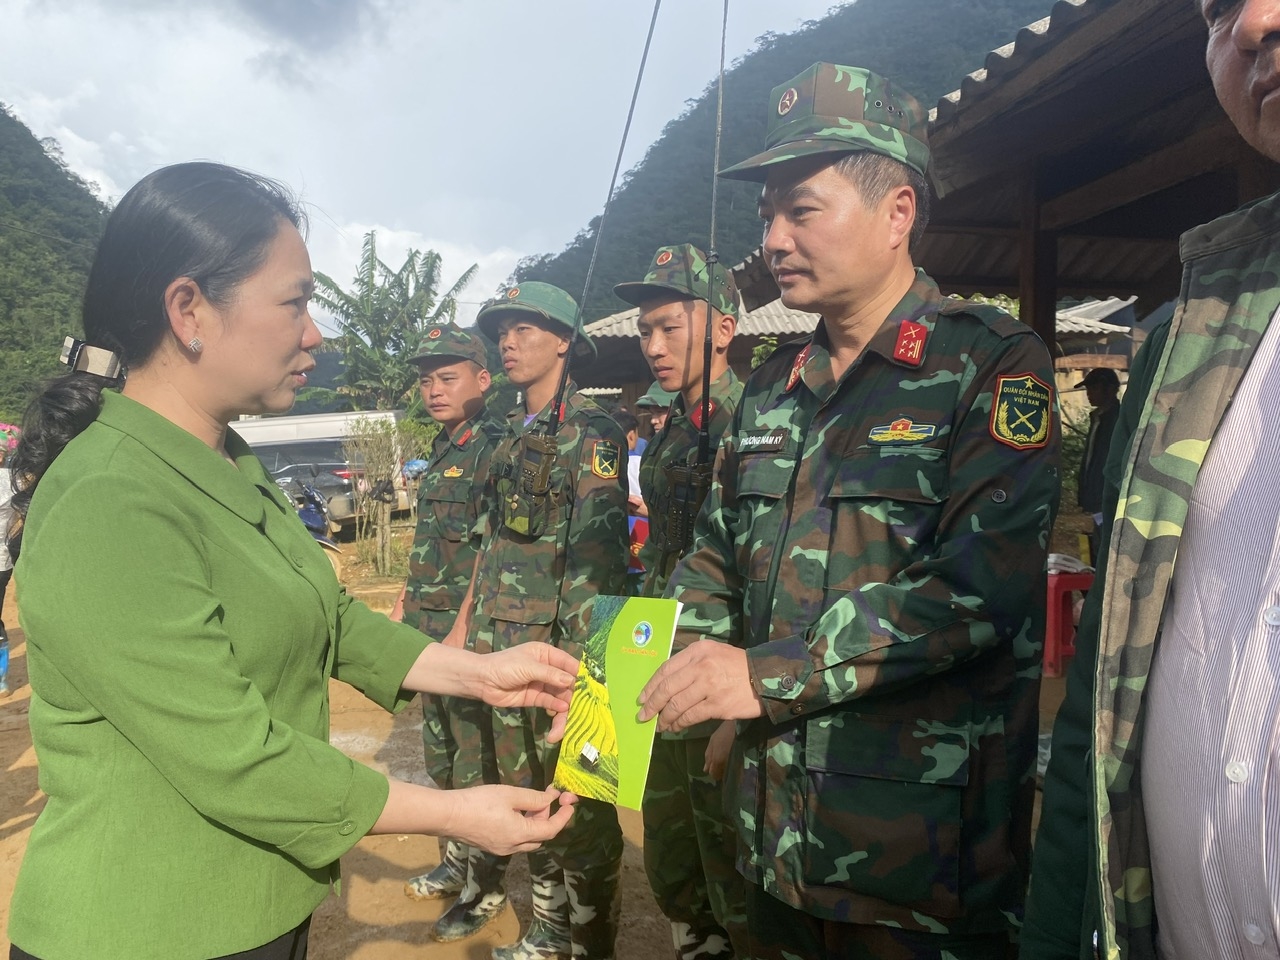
(696, 417)
(797, 367)
(911, 339)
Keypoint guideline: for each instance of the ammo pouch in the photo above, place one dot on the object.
(687, 488)
(524, 487)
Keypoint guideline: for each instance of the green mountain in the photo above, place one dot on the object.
(50, 222)
(927, 46)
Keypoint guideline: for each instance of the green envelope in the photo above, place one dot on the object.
(605, 751)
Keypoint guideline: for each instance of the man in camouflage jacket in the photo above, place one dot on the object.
(1093, 892)
(868, 575)
(542, 558)
(453, 379)
(688, 842)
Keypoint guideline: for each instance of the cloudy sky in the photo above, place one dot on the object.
(484, 129)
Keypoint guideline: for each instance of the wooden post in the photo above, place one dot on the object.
(1037, 268)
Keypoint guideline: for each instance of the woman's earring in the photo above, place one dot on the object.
(194, 345)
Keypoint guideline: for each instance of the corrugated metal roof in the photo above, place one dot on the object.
(1012, 57)
(1095, 311)
(772, 319)
(1082, 325)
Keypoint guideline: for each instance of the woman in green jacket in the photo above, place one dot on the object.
(182, 625)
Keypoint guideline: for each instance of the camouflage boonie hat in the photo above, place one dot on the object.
(447, 340)
(834, 109)
(682, 269)
(656, 397)
(546, 301)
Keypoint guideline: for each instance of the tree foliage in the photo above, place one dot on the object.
(381, 321)
(50, 223)
(927, 46)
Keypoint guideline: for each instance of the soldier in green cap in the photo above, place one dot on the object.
(554, 536)
(453, 377)
(865, 594)
(688, 841)
(655, 403)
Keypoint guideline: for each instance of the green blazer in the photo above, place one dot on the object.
(181, 628)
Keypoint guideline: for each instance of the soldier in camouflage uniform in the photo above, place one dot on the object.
(453, 379)
(866, 588)
(688, 841)
(542, 559)
(1174, 673)
(655, 404)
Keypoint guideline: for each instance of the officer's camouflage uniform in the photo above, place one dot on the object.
(1094, 833)
(537, 589)
(878, 544)
(440, 565)
(689, 843)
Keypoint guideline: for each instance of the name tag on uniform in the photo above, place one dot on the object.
(761, 441)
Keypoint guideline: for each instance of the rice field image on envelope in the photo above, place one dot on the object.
(605, 751)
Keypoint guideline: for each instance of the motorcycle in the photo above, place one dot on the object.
(313, 511)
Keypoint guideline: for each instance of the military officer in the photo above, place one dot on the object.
(866, 589)
(688, 842)
(453, 377)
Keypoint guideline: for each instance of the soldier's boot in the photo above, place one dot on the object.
(595, 907)
(694, 943)
(446, 879)
(548, 936)
(480, 902)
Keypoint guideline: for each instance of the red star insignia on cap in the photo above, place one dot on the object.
(513, 293)
(434, 334)
(788, 101)
(663, 258)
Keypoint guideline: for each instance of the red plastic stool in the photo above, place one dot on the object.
(1060, 631)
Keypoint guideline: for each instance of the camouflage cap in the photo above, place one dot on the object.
(655, 396)
(543, 299)
(834, 109)
(682, 269)
(448, 340)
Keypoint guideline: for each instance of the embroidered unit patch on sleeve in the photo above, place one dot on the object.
(1022, 411)
(604, 459)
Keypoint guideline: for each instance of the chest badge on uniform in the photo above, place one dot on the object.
(903, 430)
(1022, 411)
(453, 473)
(604, 459)
(911, 339)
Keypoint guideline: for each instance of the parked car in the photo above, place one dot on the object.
(321, 464)
(289, 442)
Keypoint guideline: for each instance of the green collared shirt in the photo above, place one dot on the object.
(181, 629)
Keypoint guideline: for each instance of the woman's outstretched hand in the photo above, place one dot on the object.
(507, 820)
(530, 675)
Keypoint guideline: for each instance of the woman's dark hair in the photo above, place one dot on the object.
(206, 221)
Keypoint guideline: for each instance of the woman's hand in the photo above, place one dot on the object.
(530, 675)
(507, 820)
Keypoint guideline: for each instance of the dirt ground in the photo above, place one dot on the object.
(372, 919)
